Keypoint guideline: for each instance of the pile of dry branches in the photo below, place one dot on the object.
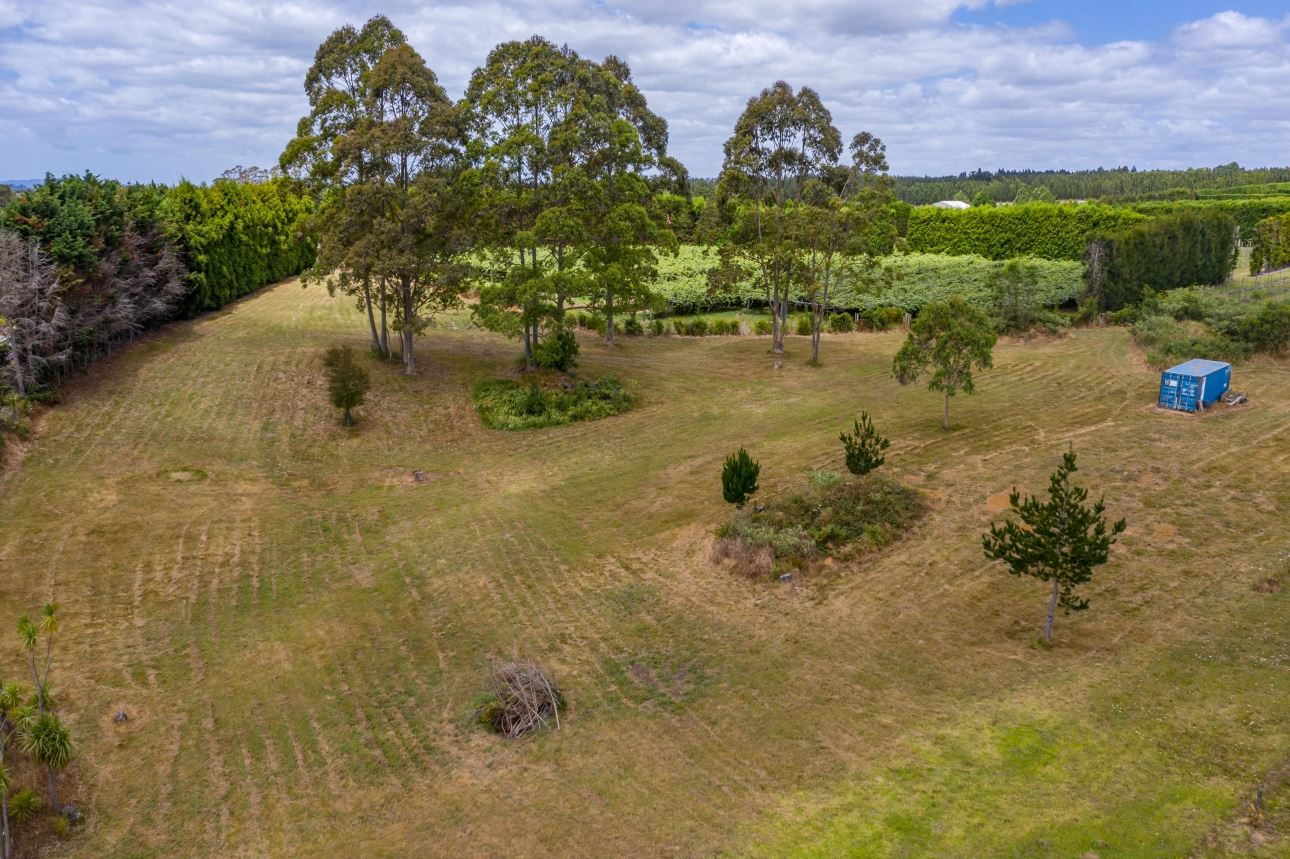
(523, 700)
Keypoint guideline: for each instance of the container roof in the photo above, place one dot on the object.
(1198, 367)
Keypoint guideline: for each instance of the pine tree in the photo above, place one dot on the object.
(739, 478)
(1061, 540)
(864, 447)
(347, 381)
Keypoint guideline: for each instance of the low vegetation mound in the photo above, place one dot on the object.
(510, 405)
(1197, 322)
(832, 516)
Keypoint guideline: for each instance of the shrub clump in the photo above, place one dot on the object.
(557, 351)
(832, 516)
(840, 323)
(521, 699)
(508, 405)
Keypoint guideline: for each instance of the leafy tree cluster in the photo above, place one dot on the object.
(794, 219)
(97, 268)
(1271, 246)
(86, 263)
(1052, 231)
(1004, 186)
(549, 182)
(1184, 249)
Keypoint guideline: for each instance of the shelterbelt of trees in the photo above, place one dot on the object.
(86, 263)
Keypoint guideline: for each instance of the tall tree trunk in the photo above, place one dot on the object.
(385, 324)
(53, 790)
(1052, 610)
(778, 324)
(5, 841)
(409, 327)
(19, 382)
(609, 316)
(945, 421)
(371, 316)
(528, 345)
(817, 323)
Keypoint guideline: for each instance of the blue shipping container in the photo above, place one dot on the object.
(1194, 384)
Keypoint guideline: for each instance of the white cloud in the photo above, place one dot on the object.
(164, 88)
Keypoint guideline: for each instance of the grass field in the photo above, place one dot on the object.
(299, 632)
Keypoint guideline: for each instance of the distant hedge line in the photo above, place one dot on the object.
(1246, 212)
(1057, 231)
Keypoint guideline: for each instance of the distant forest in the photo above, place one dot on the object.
(1117, 184)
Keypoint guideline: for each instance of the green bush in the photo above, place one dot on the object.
(557, 351)
(632, 325)
(802, 325)
(1167, 341)
(725, 326)
(657, 327)
(739, 477)
(1268, 329)
(507, 405)
(882, 318)
(865, 447)
(237, 237)
(840, 323)
(762, 327)
(23, 805)
(1246, 212)
(697, 328)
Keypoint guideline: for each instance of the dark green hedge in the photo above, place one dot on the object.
(1184, 249)
(1271, 245)
(1052, 231)
(235, 238)
(1246, 212)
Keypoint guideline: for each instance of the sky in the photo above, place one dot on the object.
(165, 89)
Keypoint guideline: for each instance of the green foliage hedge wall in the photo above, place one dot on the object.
(1188, 248)
(235, 238)
(1271, 245)
(1051, 231)
(1246, 212)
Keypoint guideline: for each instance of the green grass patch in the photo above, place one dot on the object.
(509, 405)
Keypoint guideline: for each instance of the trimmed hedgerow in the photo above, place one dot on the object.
(1049, 230)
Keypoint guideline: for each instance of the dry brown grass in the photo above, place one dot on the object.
(303, 632)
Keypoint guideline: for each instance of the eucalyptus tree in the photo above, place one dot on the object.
(519, 109)
(783, 139)
(420, 190)
(570, 157)
(626, 159)
(322, 155)
(845, 228)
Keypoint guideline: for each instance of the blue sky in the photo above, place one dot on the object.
(169, 88)
(1098, 23)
